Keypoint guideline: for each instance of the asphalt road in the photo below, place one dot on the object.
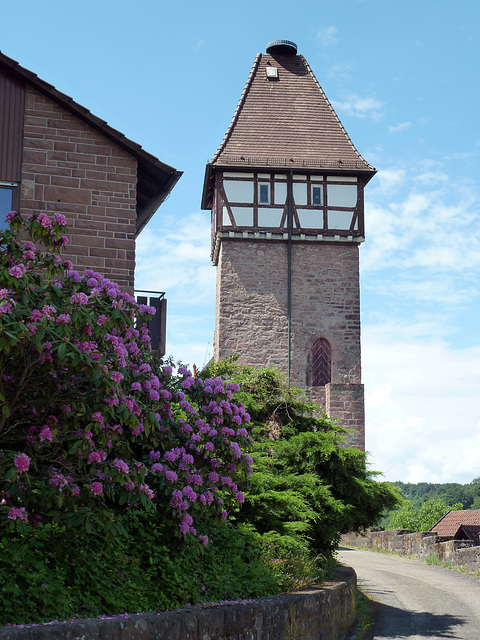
(415, 600)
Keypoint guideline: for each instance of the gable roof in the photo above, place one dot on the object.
(453, 521)
(285, 121)
(155, 179)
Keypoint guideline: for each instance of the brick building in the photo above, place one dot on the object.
(286, 193)
(55, 155)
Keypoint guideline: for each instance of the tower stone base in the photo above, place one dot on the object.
(345, 403)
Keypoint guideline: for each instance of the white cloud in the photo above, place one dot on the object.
(401, 126)
(421, 220)
(175, 259)
(327, 36)
(423, 411)
(340, 71)
(360, 107)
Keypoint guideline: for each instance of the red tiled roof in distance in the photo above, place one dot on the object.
(451, 522)
(285, 122)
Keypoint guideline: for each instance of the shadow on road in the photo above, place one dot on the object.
(391, 622)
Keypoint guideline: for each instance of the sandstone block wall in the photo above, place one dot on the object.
(324, 614)
(252, 316)
(70, 168)
(459, 553)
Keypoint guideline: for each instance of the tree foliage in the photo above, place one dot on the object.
(306, 482)
(422, 518)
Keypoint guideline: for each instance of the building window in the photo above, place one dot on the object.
(264, 194)
(6, 202)
(321, 363)
(317, 196)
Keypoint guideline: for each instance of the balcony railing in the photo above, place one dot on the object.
(158, 324)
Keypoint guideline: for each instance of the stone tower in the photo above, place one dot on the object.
(285, 189)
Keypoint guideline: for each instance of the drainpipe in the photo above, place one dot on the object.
(289, 269)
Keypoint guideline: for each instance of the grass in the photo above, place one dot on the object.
(364, 616)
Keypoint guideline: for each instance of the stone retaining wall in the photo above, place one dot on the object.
(322, 614)
(463, 554)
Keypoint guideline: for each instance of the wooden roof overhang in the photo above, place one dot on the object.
(155, 179)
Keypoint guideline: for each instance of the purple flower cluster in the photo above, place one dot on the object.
(105, 424)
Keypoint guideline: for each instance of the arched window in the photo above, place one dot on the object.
(321, 363)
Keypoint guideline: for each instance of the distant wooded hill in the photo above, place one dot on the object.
(424, 503)
(450, 492)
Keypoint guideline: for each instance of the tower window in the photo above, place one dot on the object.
(321, 363)
(264, 193)
(317, 196)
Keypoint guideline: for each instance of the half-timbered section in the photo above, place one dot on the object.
(286, 192)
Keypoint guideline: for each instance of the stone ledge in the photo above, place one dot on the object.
(327, 613)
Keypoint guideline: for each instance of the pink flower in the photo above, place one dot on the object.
(44, 221)
(94, 457)
(17, 512)
(22, 462)
(96, 488)
(48, 311)
(171, 476)
(60, 218)
(46, 434)
(101, 320)
(79, 298)
(121, 466)
(239, 496)
(17, 271)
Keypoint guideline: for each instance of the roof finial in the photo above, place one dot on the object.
(283, 47)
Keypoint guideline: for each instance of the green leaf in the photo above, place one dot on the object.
(62, 351)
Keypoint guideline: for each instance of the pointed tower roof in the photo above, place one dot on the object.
(284, 119)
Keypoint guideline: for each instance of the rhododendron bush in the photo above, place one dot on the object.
(91, 426)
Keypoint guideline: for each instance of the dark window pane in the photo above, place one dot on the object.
(264, 197)
(317, 196)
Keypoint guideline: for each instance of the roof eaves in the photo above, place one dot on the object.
(166, 175)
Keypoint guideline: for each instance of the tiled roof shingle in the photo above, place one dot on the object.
(287, 121)
(453, 520)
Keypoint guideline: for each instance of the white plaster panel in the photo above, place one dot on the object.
(269, 217)
(342, 195)
(243, 216)
(340, 220)
(300, 193)
(238, 191)
(310, 218)
(280, 192)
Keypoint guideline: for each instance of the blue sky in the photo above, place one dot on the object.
(402, 78)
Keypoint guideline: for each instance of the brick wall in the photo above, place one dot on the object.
(252, 316)
(70, 168)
